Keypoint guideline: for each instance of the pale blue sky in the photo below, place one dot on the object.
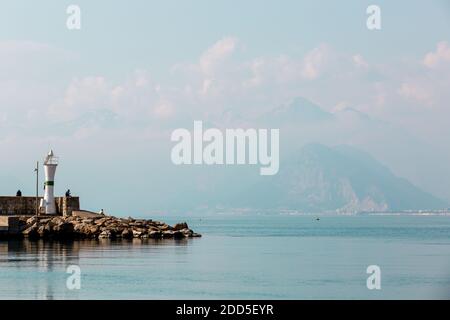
(117, 36)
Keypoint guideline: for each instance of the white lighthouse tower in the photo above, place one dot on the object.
(50, 164)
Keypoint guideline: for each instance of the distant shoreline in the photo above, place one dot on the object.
(255, 213)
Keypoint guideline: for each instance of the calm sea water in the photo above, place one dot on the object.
(280, 257)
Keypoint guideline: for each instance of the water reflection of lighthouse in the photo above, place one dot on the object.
(50, 164)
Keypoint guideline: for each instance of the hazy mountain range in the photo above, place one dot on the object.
(314, 177)
(339, 179)
(340, 161)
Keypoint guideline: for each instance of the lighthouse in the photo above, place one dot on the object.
(50, 164)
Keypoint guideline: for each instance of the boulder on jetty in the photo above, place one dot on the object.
(101, 227)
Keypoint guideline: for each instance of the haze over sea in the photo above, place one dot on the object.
(244, 257)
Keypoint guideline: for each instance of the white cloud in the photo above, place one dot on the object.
(438, 57)
(81, 96)
(136, 99)
(426, 89)
(217, 54)
(415, 92)
(315, 61)
(359, 61)
(164, 110)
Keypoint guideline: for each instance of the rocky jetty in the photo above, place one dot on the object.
(101, 227)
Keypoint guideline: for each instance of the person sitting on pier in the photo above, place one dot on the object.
(18, 193)
(68, 195)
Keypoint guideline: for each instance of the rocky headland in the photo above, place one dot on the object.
(100, 227)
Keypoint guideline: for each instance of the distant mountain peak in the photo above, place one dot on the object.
(297, 110)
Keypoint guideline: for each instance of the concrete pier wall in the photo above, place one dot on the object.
(66, 205)
(10, 206)
(9, 225)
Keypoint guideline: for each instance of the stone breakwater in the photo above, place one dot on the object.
(101, 227)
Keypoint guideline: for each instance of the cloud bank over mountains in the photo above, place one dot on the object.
(224, 78)
(395, 110)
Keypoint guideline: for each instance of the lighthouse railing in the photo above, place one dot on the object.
(51, 160)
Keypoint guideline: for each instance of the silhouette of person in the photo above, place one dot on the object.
(68, 193)
(18, 193)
